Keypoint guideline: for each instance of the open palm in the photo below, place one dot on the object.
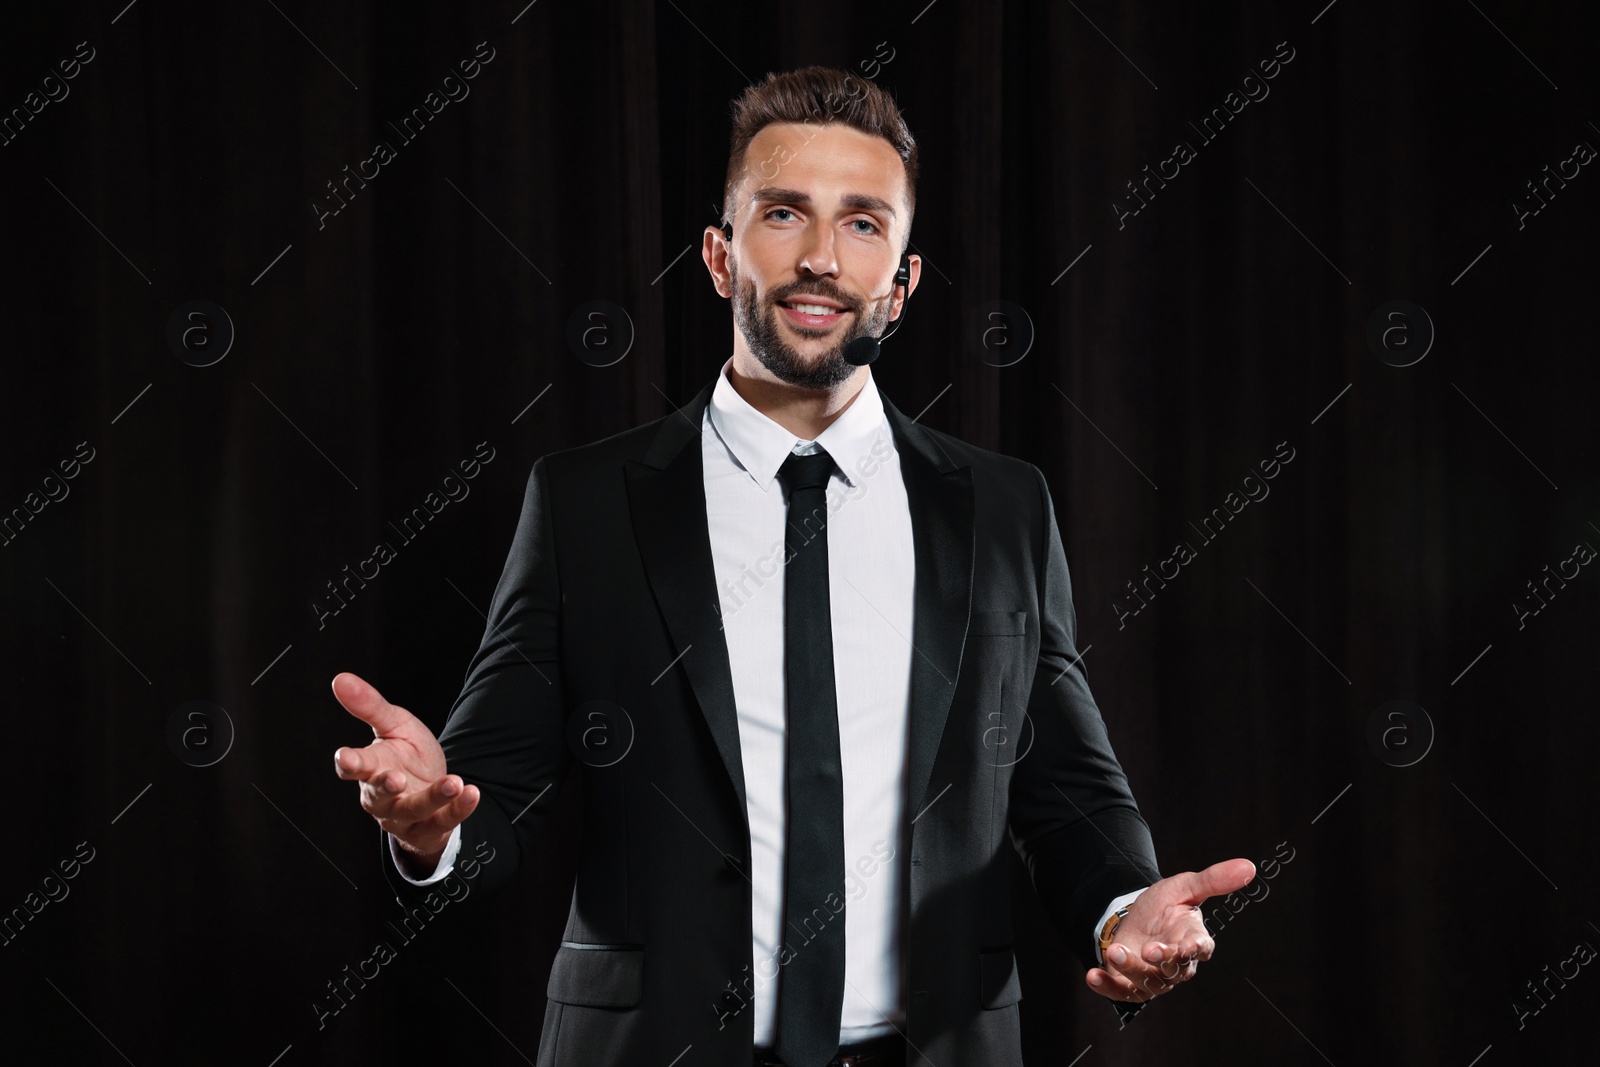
(1163, 939)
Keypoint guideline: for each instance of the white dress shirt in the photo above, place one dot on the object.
(871, 582)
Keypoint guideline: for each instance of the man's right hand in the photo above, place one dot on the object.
(404, 783)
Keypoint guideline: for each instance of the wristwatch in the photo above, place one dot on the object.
(1109, 930)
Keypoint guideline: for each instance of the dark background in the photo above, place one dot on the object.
(374, 353)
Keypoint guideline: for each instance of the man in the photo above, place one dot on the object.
(818, 667)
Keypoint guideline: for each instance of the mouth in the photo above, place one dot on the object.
(812, 312)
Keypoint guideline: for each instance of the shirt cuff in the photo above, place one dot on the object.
(447, 861)
(1126, 898)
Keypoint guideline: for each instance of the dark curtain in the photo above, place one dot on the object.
(172, 528)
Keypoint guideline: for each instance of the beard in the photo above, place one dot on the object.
(758, 322)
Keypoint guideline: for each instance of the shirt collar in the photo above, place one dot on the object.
(760, 445)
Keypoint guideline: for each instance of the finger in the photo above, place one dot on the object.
(455, 813)
(444, 820)
(1124, 962)
(1122, 959)
(1113, 986)
(394, 783)
(367, 704)
(1167, 954)
(423, 802)
(1180, 971)
(381, 792)
(361, 764)
(1183, 960)
(1141, 987)
(1178, 968)
(1194, 949)
(1157, 952)
(1219, 879)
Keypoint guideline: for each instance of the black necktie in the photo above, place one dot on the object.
(811, 971)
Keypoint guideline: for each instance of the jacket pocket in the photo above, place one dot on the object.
(998, 623)
(998, 984)
(597, 976)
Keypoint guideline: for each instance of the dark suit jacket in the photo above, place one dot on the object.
(604, 647)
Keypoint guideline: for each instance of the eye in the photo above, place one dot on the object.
(774, 211)
(866, 222)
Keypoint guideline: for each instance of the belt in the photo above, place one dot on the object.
(887, 1051)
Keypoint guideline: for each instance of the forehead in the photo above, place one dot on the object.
(827, 160)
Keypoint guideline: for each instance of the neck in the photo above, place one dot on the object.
(803, 412)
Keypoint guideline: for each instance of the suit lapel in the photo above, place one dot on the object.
(667, 499)
(666, 495)
(941, 501)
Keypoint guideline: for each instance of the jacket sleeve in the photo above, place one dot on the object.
(1073, 817)
(506, 730)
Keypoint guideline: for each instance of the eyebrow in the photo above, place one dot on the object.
(857, 201)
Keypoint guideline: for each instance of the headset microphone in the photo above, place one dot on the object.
(863, 350)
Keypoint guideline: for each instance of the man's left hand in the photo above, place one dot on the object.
(1162, 939)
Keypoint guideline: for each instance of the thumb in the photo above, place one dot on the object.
(1219, 879)
(367, 704)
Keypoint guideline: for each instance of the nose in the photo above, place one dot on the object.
(819, 257)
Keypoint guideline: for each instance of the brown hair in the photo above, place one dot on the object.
(817, 94)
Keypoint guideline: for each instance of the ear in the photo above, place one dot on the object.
(901, 295)
(714, 249)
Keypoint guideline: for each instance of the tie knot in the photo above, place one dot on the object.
(806, 472)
